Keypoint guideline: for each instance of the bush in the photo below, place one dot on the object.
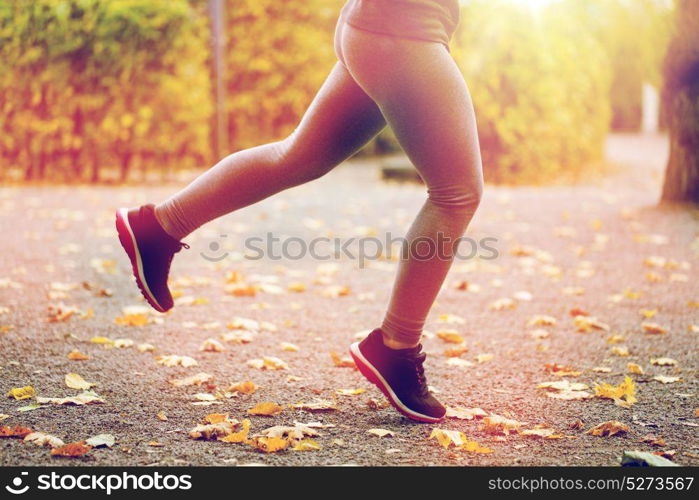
(278, 55)
(92, 83)
(540, 84)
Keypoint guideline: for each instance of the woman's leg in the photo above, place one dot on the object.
(424, 99)
(339, 121)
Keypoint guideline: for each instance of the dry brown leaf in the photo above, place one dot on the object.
(76, 355)
(16, 431)
(342, 361)
(450, 336)
(246, 387)
(609, 428)
(653, 328)
(71, 450)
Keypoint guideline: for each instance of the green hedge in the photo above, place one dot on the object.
(86, 84)
(540, 85)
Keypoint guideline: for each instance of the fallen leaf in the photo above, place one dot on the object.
(342, 362)
(14, 432)
(174, 360)
(541, 320)
(317, 405)
(622, 394)
(541, 432)
(26, 392)
(76, 355)
(270, 444)
(450, 336)
(666, 380)
(465, 413)
(497, 424)
(246, 387)
(634, 368)
(198, 379)
(381, 432)
(106, 440)
(84, 398)
(653, 328)
(268, 363)
(653, 440)
(295, 432)
(71, 450)
(41, 439)
(589, 323)
(266, 409)
(306, 445)
(213, 431)
(663, 362)
(212, 345)
(349, 392)
(238, 437)
(75, 381)
(645, 459)
(609, 428)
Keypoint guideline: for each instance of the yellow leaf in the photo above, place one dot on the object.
(450, 336)
(622, 394)
(246, 387)
(132, 320)
(238, 437)
(75, 381)
(634, 368)
(270, 444)
(101, 340)
(306, 445)
(215, 418)
(26, 392)
(349, 392)
(266, 409)
(75, 355)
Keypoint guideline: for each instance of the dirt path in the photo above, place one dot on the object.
(595, 237)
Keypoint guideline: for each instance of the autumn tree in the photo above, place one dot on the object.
(681, 98)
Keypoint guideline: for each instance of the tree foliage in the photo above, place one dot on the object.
(539, 80)
(89, 83)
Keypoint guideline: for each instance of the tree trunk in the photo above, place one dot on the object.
(681, 97)
(682, 175)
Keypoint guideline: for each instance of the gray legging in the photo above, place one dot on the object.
(415, 87)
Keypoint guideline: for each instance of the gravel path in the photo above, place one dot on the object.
(595, 237)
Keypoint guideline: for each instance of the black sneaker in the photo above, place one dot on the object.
(400, 376)
(150, 250)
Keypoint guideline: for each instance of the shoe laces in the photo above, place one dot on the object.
(418, 361)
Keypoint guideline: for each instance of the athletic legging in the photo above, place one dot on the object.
(415, 87)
